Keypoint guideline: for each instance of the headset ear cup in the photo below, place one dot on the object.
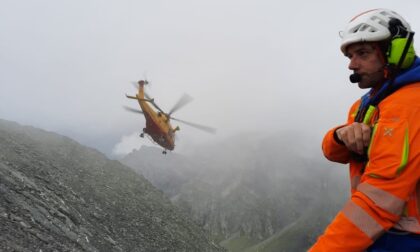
(395, 51)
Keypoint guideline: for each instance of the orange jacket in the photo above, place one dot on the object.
(385, 191)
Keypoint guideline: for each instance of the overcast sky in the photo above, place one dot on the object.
(250, 65)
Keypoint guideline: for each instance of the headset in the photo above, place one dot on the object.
(400, 53)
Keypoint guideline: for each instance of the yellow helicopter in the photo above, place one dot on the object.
(158, 125)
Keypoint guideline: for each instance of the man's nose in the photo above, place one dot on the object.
(353, 64)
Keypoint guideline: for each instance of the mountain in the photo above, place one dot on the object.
(252, 192)
(56, 195)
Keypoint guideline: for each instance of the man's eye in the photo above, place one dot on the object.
(363, 53)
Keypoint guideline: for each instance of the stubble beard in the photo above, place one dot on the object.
(372, 80)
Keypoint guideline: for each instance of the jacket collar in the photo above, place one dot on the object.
(408, 76)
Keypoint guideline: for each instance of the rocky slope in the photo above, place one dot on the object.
(56, 195)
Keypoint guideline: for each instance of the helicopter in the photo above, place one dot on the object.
(158, 125)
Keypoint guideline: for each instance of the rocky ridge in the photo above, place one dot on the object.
(56, 195)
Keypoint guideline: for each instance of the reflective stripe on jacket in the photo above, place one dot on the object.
(385, 191)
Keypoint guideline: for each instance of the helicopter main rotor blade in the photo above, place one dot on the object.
(184, 100)
(198, 126)
(138, 111)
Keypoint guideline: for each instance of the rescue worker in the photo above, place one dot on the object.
(380, 141)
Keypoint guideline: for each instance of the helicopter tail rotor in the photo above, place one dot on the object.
(137, 86)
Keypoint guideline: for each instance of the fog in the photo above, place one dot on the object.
(251, 66)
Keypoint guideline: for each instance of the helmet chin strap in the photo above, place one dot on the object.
(381, 55)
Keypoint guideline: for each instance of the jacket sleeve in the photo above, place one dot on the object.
(332, 149)
(389, 179)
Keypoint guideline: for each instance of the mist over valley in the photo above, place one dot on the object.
(259, 191)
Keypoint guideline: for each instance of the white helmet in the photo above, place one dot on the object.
(369, 26)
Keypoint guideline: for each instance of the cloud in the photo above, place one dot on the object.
(127, 144)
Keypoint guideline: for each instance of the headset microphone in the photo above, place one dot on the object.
(355, 78)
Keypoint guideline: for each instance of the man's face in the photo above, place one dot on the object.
(365, 60)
